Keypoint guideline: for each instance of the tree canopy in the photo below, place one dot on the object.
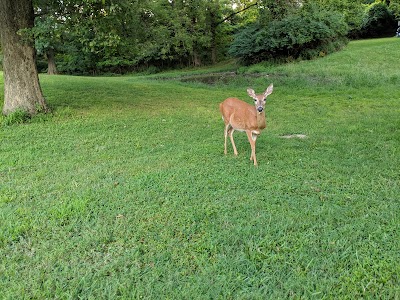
(96, 36)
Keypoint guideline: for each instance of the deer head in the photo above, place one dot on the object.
(259, 100)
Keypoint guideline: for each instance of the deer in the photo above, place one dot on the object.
(241, 116)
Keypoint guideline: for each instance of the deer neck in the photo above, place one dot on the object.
(261, 123)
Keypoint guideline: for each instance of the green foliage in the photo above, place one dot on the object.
(394, 7)
(310, 33)
(379, 21)
(373, 19)
(271, 10)
(352, 11)
(47, 32)
(104, 36)
(108, 36)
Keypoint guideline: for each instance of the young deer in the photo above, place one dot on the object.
(241, 116)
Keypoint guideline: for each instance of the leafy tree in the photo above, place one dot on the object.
(86, 35)
(186, 32)
(47, 33)
(93, 36)
(394, 7)
(225, 17)
(103, 35)
(353, 12)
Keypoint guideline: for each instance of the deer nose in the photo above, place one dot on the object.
(260, 109)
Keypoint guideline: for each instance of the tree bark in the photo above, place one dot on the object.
(51, 62)
(21, 82)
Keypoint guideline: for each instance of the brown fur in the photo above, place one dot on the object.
(241, 116)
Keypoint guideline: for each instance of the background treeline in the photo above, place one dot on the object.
(98, 36)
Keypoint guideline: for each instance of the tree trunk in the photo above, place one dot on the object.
(196, 59)
(51, 62)
(21, 82)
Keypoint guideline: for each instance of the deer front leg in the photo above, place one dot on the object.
(252, 140)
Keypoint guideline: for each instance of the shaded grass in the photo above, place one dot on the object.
(125, 192)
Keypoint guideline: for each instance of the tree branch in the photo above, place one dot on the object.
(236, 12)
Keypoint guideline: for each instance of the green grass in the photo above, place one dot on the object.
(124, 191)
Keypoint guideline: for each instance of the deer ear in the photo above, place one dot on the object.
(268, 91)
(251, 93)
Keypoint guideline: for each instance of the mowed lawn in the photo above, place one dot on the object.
(124, 191)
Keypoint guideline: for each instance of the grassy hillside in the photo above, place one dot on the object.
(124, 192)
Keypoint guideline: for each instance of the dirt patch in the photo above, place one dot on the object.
(215, 78)
(212, 78)
(294, 136)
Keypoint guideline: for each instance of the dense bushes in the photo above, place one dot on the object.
(314, 30)
(311, 32)
(379, 21)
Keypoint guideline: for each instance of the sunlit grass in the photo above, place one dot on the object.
(124, 191)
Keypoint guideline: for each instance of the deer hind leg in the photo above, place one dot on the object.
(232, 141)
(252, 140)
(226, 132)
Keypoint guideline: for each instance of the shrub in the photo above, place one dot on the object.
(378, 21)
(307, 34)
